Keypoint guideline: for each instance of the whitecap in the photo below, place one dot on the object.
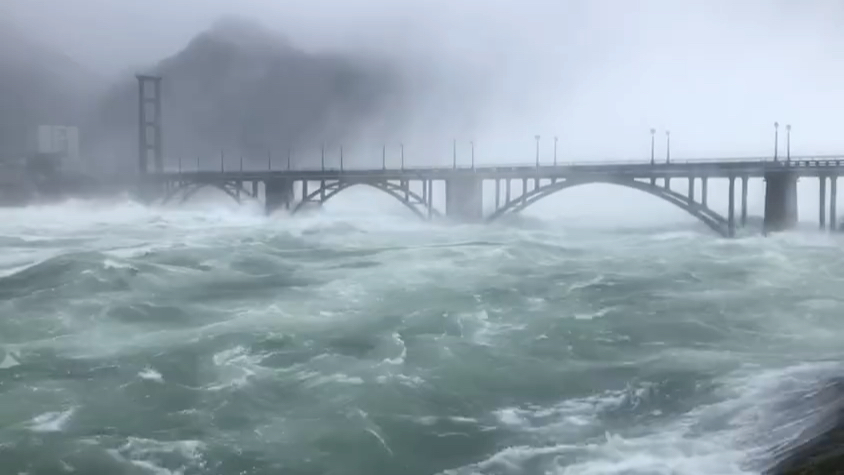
(51, 421)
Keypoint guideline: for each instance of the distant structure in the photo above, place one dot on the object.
(150, 151)
(55, 149)
(297, 189)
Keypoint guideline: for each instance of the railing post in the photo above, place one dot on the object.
(555, 151)
(653, 145)
(788, 143)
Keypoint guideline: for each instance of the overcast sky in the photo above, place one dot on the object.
(598, 73)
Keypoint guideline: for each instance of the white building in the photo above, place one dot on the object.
(60, 141)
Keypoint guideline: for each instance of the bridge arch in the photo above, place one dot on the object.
(413, 202)
(188, 189)
(713, 220)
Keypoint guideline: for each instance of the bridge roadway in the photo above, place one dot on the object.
(413, 186)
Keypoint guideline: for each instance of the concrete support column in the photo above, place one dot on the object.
(430, 201)
(497, 194)
(704, 182)
(692, 189)
(743, 201)
(278, 194)
(524, 190)
(731, 212)
(780, 201)
(822, 203)
(464, 198)
(833, 199)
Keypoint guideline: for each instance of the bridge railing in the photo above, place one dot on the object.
(794, 161)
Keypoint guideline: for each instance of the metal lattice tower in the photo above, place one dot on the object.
(149, 124)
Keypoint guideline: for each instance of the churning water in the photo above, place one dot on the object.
(143, 341)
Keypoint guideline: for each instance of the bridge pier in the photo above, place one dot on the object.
(743, 201)
(833, 198)
(731, 213)
(278, 193)
(464, 198)
(780, 201)
(822, 204)
(704, 190)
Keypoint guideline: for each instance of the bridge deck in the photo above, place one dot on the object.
(814, 167)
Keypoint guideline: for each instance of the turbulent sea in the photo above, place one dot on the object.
(146, 341)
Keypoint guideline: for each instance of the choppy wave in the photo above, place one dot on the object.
(216, 341)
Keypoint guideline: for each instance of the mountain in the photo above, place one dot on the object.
(242, 88)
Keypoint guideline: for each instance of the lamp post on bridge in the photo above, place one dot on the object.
(197, 163)
(776, 140)
(454, 154)
(289, 154)
(555, 150)
(341, 158)
(667, 146)
(788, 143)
(322, 156)
(180, 164)
(537, 150)
(222, 160)
(653, 144)
(269, 160)
(472, 144)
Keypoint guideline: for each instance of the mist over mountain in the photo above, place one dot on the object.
(246, 90)
(38, 85)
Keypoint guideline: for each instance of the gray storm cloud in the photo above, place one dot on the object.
(598, 73)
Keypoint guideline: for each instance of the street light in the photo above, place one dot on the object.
(776, 139)
(472, 144)
(653, 134)
(322, 156)
(384, 157)
(555, 150)
(667, 146)
(537, 150)
(454, 154)
(788, 142)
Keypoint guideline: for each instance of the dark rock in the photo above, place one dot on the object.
(818, 450)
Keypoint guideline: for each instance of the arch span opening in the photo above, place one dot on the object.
(407, 197)
(710, 218)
